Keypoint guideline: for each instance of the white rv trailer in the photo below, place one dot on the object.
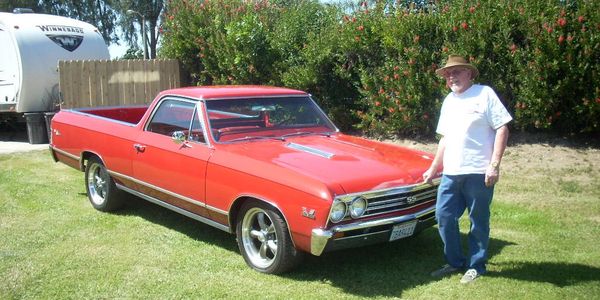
(30, 47)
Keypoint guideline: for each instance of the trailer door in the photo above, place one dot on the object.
(9, 66)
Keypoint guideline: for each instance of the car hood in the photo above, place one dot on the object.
(352, 163)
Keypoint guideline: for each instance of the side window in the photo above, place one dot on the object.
(171, 116)
(197, 134)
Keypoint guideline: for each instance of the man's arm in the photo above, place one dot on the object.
(436, 163)
(492, 174)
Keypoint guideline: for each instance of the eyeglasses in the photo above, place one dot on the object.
(455, 72)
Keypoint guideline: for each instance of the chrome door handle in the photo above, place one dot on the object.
(139, 148)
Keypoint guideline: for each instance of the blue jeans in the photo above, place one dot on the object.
(455, 194)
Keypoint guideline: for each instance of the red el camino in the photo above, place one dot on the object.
(264, 163)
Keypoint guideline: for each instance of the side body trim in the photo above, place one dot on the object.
(184, 198)
(65, 153)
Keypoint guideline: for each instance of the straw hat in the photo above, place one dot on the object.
(457, 60)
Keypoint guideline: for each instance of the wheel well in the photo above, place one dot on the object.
(237, 204)
(85, 156)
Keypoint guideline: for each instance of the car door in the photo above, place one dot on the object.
(172, 154)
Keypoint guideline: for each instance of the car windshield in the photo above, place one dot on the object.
(234, 120)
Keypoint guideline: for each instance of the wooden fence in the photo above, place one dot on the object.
(92, 83)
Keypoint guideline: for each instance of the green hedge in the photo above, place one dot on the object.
(371, 65)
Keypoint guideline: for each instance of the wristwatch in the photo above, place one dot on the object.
(495, 165)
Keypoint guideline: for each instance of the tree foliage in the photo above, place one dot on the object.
(372, 64)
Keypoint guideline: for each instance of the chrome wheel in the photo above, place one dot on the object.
(101, 189)
(97, 184)
(259, 238)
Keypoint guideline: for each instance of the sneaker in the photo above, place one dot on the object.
(469, 276)
(444, 271)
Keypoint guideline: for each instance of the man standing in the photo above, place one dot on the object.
(474, 134)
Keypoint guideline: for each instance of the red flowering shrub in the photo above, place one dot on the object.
(371, 64)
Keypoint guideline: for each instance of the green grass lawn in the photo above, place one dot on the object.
(53, 244)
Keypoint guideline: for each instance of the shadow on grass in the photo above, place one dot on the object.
(379, 270)
(194, 229)
(382, 270)
(557, 273)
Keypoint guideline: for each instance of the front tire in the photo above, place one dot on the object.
(264, 240)
(101, 189)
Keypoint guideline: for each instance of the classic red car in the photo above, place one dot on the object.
(264, 163)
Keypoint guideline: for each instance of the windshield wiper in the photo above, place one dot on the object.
(327, 134)
(249, 138)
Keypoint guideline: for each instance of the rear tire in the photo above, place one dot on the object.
(101, 189)
(264, 240)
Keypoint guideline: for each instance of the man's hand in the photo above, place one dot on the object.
(428, 175)
(492, 174)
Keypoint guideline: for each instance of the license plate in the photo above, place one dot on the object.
(403, 230)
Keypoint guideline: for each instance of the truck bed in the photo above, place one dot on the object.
(129, 114)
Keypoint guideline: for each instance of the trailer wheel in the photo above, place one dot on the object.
(264, 240)
(101, 189)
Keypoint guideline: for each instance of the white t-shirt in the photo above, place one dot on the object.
(468, 123)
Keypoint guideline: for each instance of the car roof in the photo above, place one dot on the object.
(231, 91)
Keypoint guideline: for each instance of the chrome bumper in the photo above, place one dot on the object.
(322, 240)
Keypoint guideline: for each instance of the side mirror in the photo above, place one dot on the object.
(178, 137)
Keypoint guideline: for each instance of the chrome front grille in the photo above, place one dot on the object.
(388, 203)
(392, 200)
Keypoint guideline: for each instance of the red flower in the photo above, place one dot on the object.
(513, 48)
(561, 22)
(386, 78)
(549, 29)
(464, 25)
(396, 68)
(425, 116)
(557, 114)
(357, 38)
(454, 28)
(377, 103)
(598, 100)
(445, 49)
(391, 110)
(381, 91)
(561, 39)
(569, 38)
(396, 76)
(360, 28)
(411, 61)
(581, 19)
(471, 9)
(406, 73)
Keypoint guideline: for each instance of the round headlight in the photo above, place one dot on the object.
(338, 211)
(358, 206)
